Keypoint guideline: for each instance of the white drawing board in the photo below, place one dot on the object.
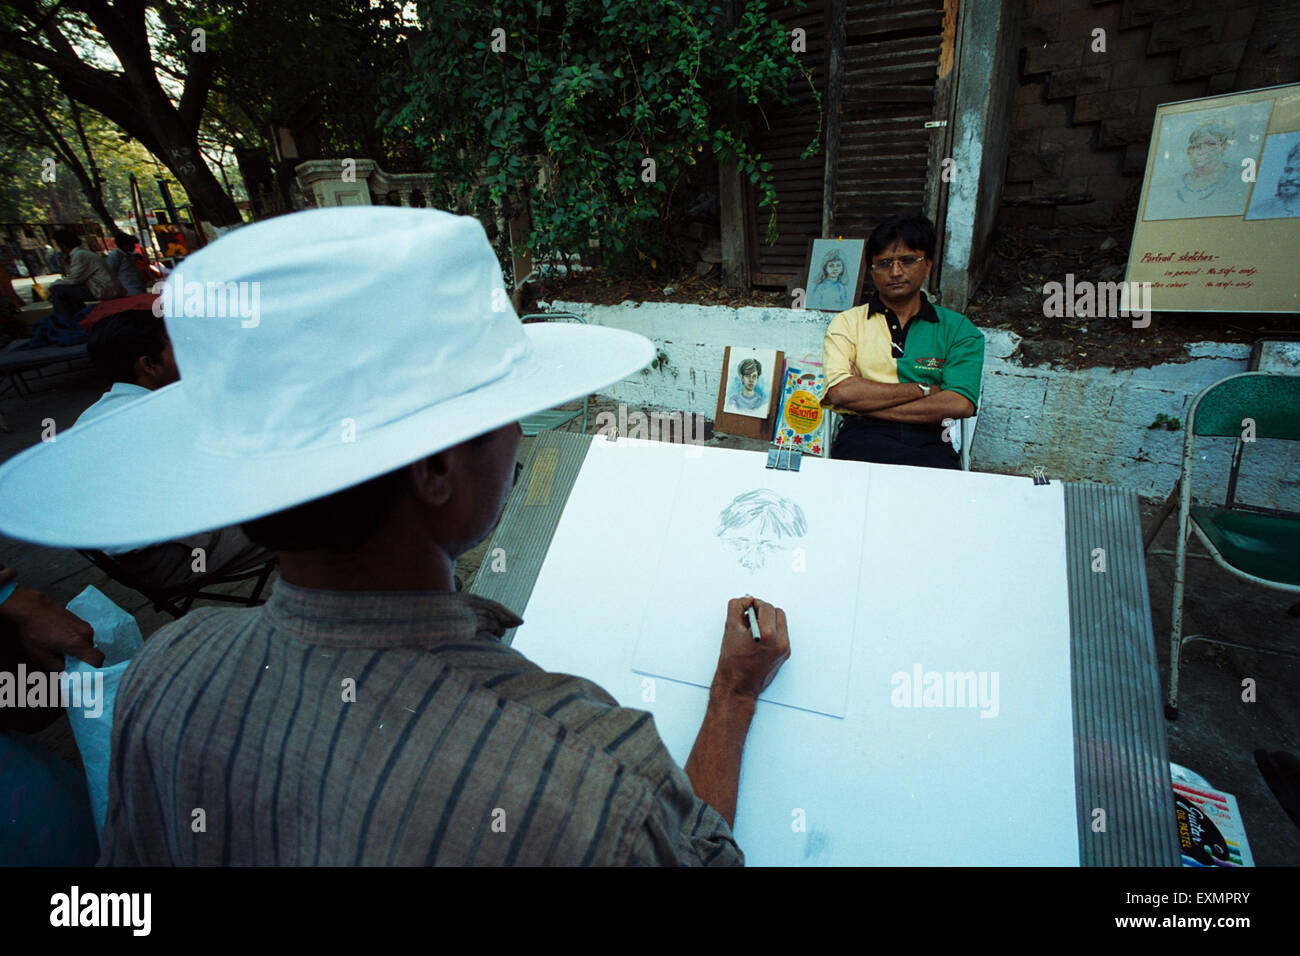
(792, 539)
(960, 574)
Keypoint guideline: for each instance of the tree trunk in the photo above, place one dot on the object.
(133, 98)
(179, 151)
(92, 183)
(95, 197)
(27, 103)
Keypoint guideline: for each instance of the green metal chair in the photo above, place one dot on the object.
(1257, 544)
(553, 418)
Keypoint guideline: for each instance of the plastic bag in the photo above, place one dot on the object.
(118, 636)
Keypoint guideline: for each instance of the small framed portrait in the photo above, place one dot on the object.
(749, 391)
(749, 382)
(833, 280)
(1198, 168)
(1277, 187)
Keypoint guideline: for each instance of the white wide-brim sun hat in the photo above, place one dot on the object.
(317, 350)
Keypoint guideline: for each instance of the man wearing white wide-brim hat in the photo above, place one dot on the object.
(351, 385)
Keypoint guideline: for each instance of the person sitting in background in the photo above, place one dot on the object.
(131, 349)
(11, 307)
(87, 278)
(8, 296)
(121, 263)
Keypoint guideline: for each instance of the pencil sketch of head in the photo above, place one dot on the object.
(1288, 181)
(1207, 143)
(833, 267)
(756, 523)
(750, 370)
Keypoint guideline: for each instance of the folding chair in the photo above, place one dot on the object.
(177, 601)
(966, 434)
(1261, 545)
(553, 418)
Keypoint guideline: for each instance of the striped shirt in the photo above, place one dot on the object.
(384, 728)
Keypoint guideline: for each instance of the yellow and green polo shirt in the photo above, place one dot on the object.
(937, 347)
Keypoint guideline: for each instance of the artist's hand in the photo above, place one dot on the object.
(47, 631)
(747, 666)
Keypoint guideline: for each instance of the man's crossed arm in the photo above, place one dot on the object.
(899, 402)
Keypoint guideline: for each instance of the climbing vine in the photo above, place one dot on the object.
(604, 118)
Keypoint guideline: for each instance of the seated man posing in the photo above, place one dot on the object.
(898, 366)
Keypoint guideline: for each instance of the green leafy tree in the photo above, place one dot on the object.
(65, 163)
(149, 76)
(281, 54)
(193, 79)
(596, 115)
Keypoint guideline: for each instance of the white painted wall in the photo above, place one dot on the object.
(1088, 425)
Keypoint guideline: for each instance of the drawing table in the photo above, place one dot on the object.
(1121, 762)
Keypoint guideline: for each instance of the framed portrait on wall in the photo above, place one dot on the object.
(1218, 218)
(833, 279)
(1277, 190)
(1198, 170)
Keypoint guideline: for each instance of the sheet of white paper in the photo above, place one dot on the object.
(960, 573)
(789, 538)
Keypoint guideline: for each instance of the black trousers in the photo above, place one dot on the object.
(862, 438)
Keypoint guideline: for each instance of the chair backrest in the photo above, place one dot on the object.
(177, 601)
(1259, 404)
(1269, 400)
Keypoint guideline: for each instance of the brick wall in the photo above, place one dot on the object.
(1083, 116)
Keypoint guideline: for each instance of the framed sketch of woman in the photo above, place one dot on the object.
(835, 274)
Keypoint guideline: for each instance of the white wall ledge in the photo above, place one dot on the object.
(1079, 424)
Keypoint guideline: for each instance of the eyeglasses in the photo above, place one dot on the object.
(887, 265)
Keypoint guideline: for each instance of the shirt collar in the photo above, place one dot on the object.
(876, 304)
(127, 390)
(385, 618)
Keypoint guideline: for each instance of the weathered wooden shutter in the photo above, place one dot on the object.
(798, 181)
(891, 65)
(891, 59)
